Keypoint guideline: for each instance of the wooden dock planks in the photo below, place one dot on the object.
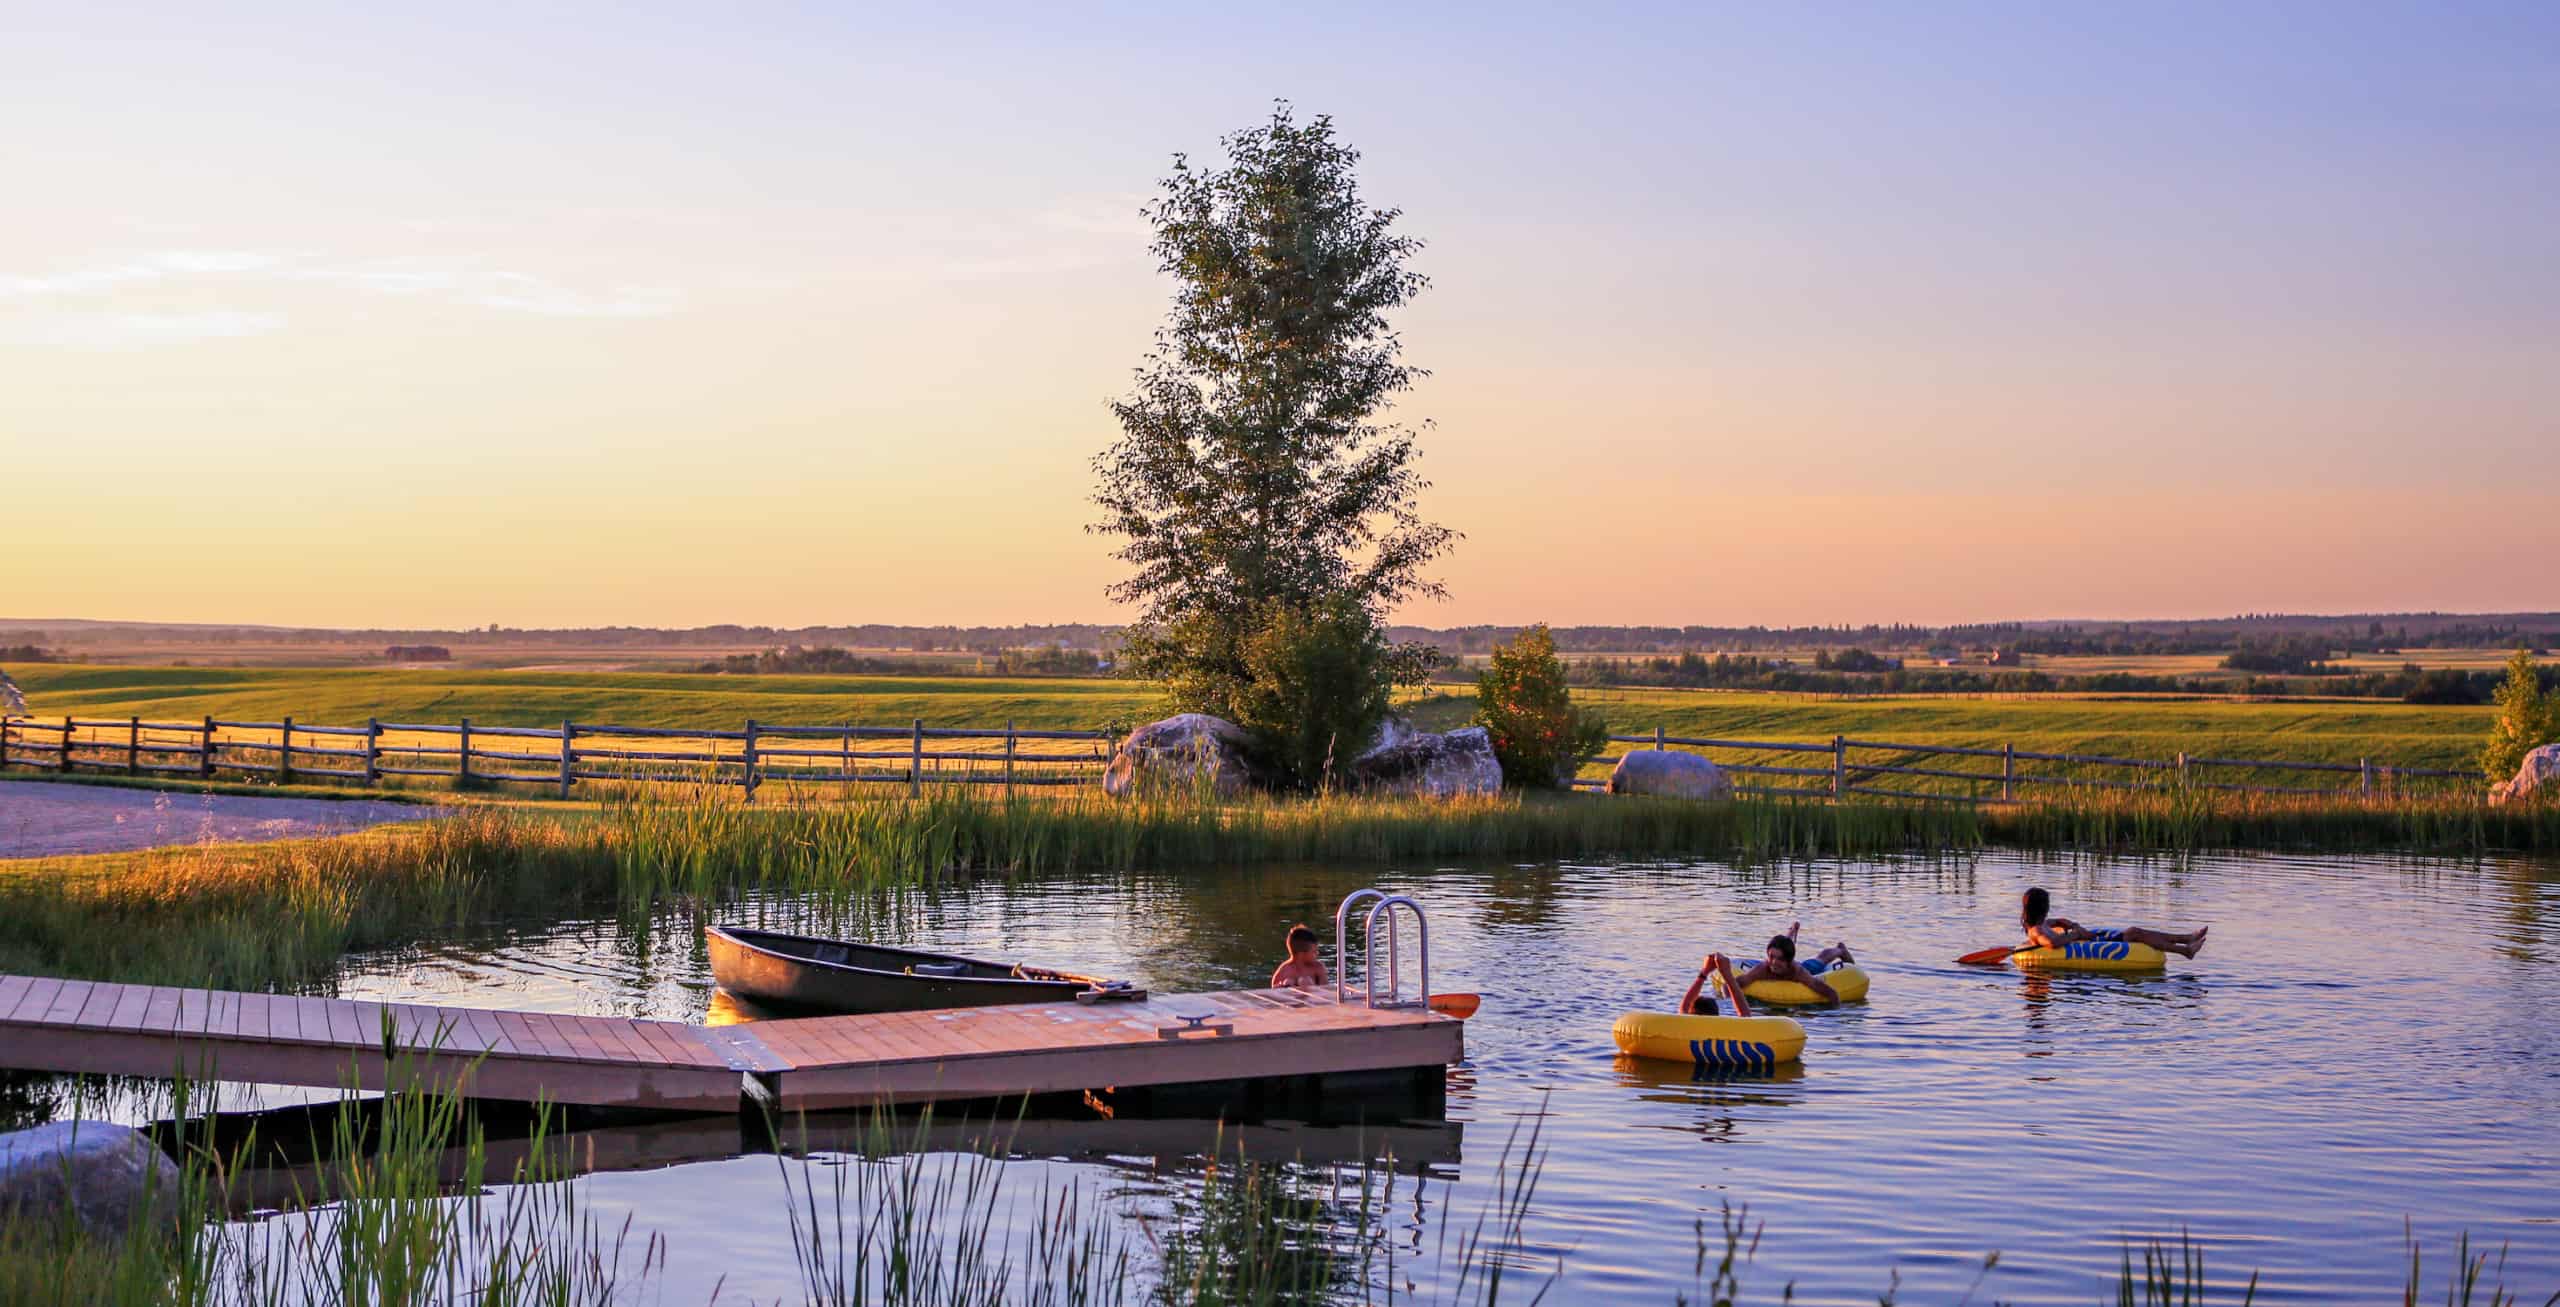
(48, 1024)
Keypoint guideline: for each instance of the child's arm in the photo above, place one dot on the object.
(1732, 987)
(1826, 993)
(1689, 997)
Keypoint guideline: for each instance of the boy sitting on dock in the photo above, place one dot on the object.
(1303, 970)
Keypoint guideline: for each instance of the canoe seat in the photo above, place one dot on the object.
(938, 969)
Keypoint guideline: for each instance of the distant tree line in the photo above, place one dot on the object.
(796, 660)
(1697, 671)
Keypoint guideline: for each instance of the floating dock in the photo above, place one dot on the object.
(805, 1063)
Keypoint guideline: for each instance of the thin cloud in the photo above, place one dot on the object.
(142, 330)
(453, 280)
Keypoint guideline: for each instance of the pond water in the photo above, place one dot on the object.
(2365, 1043)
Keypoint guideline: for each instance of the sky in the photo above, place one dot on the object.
(794, 314)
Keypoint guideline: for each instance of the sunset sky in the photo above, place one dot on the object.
(677, 314)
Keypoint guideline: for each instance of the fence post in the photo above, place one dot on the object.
(284, 751)
(747, 759)
(1657, 737)
(568, 731)
(848, 759)
(2182, 766)
(133, 748)
(2364, 775)
(2008, 771)
(915, 762)
(204, 758)
(1839, 764)
(462, 755)
(1008, 757)
(62, 760)
(372, 750)
(6, 724)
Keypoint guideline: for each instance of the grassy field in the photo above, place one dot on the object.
(347, 696)
(2305, 730)
(2336, 730)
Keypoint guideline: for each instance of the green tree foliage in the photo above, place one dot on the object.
(1315, 689)
(1253, 475)
(1522, 701)
(2528, 718)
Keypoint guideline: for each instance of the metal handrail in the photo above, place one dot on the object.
(1369, 961)
(1341, 935)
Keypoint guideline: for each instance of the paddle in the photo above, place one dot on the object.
(1460, 1006)
(1995, 957)
(1992, 957)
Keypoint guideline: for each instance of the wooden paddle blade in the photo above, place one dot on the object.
(1460, 1006)
(1989, 957)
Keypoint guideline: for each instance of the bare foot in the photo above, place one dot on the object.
(1843, 946)
(2195, 942)
(1793, 927)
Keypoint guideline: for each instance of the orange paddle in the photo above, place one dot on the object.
(1991, 957)
(1460, 1006)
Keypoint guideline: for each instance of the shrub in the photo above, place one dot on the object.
(1315, 688)
(2528, 718)
(1524, 704)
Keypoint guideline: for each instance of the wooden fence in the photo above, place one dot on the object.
(1844, 766)
(755, 755)
(760, 753)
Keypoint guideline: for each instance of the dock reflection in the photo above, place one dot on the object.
(288, 1155)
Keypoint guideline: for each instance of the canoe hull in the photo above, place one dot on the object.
(798, 973)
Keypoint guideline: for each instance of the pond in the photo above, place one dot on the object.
(2366, 1046)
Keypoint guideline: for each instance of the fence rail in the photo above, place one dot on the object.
(587, 752)
(465, 752)
(1850, 774)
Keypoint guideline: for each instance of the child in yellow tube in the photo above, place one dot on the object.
(1779, 963)
(2045, 930)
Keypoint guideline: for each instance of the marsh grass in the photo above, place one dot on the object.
(389, 1221)
(260, 916)
(403, 1210)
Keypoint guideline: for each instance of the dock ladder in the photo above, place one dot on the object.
(1386, 906)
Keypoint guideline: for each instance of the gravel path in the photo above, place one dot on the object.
(39, 820)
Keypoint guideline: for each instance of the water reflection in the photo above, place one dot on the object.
(2303, 1074)
(1715, 1103)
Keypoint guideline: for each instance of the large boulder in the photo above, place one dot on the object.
(1406, 761)
(1670, 774)
(107, 1179)
(2539, 777)
(1181, 754)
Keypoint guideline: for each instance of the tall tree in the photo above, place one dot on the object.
(1253, 473)
(2528, 718)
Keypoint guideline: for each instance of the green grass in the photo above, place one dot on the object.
(259, 916)
(2309, 730)
(2334, 730)
(382, 1224)
(339, 696)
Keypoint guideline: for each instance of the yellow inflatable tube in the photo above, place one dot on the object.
(1846, 980)
(2093, 955)
(1746, 1043)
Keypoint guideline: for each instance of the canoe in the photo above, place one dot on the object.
(774, 970)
